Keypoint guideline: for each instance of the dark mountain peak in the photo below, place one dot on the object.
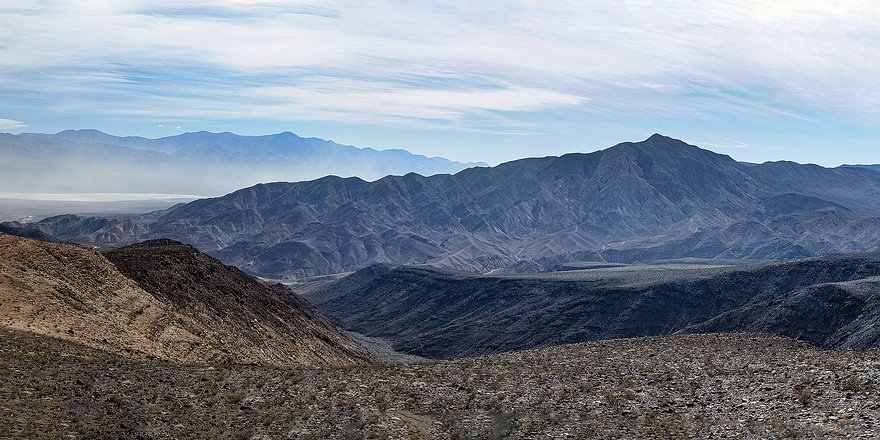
(63, 218)
(83, 131)
(204, 135)
(665, 143)
(86, 135)
(657, 148)
(659, 138)
(654, 141)
(789, 164)
(660, 146)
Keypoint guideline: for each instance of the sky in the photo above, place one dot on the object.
(471, 81)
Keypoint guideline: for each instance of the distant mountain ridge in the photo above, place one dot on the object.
(191, 163)
(644, 201)
(869, 166)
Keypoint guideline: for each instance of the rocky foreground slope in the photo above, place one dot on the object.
(832, 301)
(696, 386)
(643, 201)
(178, 305)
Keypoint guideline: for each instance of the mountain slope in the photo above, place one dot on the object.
(200, 163)
(74, 293)
(656, 199)
(34, 234)
(831, 301)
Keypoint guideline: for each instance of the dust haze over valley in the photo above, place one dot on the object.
(89, 172)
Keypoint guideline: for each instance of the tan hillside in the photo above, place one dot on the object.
(74, 293)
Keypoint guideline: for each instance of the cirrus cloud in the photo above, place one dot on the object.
(11, 124)
(459, 64)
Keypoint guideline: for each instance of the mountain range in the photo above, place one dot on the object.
(202, 163)
(830, 301)
(659, 199)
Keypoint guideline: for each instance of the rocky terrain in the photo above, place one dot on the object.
(653, 200)
(203, 163)
(698, 386)
(178, 305)
(832, 301)
(248, 317)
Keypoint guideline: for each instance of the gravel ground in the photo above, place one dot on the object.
(695, 386)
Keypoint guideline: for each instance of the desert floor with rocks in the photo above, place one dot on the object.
(696, 386)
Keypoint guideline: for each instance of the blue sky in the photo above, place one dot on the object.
(472, 81)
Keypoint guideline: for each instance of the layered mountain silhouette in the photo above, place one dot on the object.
(831, 301)
(161, 300)
(653, 200)
(202, 163)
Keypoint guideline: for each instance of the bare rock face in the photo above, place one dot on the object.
(74, 293)
(831, 301)
(651, 200)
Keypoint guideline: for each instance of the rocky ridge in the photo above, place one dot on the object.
(75, 294)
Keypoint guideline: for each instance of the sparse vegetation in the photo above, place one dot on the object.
(640, 388)
(856, 384)
(803, 393)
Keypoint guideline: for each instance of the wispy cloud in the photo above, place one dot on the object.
(11, 124)
(462, 65)
(724, 144)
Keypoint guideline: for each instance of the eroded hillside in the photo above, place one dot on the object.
(74, 293)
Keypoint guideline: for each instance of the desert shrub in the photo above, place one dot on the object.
(856, 384)
(803, 393)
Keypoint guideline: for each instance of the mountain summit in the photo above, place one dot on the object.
(656, 199)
